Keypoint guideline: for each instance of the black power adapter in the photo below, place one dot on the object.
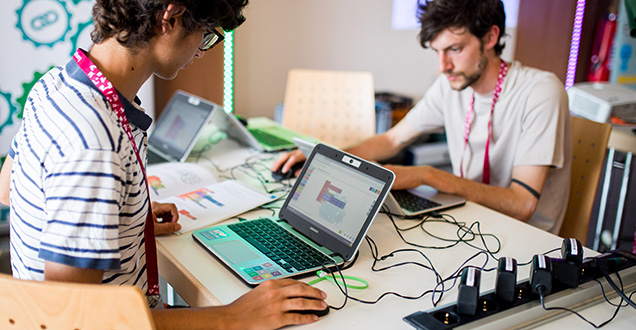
(506, 281)
(541, 275)
(567, 270)
(468, 295)
(572, 251)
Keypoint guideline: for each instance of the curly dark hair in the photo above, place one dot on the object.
(478, 16)
(134, 22)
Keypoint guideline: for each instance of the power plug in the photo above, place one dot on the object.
(506, 281)
(567, 270)
(572, 251)
(541, 275)
(468, 295)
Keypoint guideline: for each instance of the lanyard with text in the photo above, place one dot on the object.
(503, 70)
(107, 89)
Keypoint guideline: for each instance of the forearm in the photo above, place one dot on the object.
(512, 201)
(386, 145)
(376, 148)
(5, 179)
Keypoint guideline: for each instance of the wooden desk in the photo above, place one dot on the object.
(201, 280)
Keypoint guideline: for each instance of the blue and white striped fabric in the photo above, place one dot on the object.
(78, 195)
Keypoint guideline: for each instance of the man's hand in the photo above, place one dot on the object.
(287, 160)
(268, 306)
(406, 177)
(270, 303)
(169, 216)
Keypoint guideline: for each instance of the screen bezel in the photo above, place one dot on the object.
(157, 142)
(318, 233)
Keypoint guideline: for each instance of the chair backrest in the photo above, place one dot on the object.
(336, 107)
(589, 146)
(58, 305)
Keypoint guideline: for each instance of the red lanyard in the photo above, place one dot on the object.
(503, 70)
(107, 89)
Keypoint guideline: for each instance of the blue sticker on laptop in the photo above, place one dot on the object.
(214, 234)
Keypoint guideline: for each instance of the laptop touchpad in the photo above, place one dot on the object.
(235, 251)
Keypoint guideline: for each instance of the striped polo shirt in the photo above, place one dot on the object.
(78, 195)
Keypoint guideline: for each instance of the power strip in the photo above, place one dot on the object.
(526, 309)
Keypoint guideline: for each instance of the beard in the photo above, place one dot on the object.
(473, 77)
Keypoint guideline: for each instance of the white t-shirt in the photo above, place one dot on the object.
(530, 126)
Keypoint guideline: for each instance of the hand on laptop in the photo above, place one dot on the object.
(165, 216)
(270, 303)
(407, 177)
(287, 160)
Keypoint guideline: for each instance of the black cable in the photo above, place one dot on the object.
(620, 280)
(613, 285)
(540, 290)
(464, 234)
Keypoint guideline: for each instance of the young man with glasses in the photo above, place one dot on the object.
(507, 125)
(79, 198)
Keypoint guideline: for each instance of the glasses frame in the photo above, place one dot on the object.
(209, 40)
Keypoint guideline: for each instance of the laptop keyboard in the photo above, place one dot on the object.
(285, 249)
(411, 202)
(268, 139)
(154, 158)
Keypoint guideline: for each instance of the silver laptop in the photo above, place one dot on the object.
(322, 222)
(269, 138)
(407, 203)
(178, 128)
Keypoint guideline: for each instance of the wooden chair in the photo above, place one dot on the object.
(58, 305)
(589, 146)
(336, 107)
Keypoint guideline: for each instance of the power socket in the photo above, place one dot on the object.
(468, 295)
(506, 281)
(567, 270)
(525, 309)
(541, 275)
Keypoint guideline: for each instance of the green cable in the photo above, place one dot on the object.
(322, 275)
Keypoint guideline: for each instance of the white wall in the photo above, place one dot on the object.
(326, 34)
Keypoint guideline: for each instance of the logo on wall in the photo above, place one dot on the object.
(7, 110)
(44, 22)
(83, 36)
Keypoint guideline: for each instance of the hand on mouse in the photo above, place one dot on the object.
(285, 162)
(280, 176)
(271, 304)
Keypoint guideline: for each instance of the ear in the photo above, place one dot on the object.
(491, 38)
(168, 20)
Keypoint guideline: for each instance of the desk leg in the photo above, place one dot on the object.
(604, 195)
(621, 199)
(169, 294)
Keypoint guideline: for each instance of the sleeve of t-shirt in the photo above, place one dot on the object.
(14, 146)
(427, 115)
(543, 124)
(84, 192)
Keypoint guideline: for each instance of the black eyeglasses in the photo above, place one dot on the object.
(210, 39)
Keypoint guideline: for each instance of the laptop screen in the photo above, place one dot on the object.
(335, 199)
(180, 124)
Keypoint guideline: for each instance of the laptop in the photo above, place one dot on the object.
(407, 203)
(178, 128)
(269, 137)
(323, 221)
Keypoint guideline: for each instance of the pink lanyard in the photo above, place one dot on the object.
(503, 70)
(107, 89)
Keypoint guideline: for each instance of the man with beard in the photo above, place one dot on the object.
(507, 125)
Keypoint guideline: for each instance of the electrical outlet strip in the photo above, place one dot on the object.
(526, 310)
